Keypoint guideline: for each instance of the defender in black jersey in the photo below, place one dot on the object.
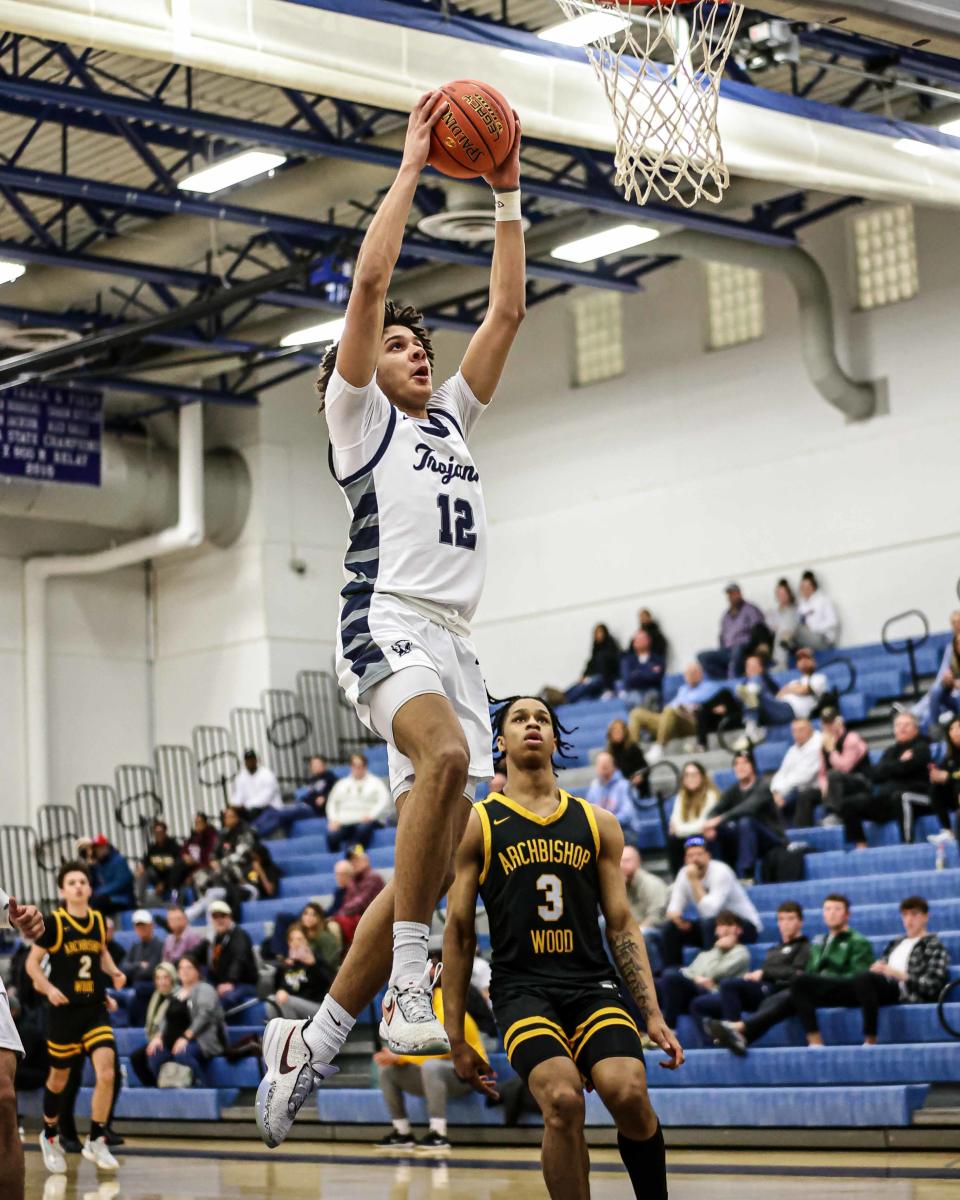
(546, 865)
(74, 943)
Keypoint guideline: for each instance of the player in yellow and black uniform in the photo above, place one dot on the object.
(546, 865)
(74, 945)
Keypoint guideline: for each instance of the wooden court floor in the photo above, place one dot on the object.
(172, 1170)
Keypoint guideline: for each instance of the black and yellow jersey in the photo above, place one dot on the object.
(541, 889)
(74, 947)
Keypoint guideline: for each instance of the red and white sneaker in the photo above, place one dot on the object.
(290, 1079)
(409, 1024)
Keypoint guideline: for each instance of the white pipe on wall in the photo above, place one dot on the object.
(185, 534)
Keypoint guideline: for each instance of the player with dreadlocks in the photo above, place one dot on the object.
(546, 864)
(415, 567)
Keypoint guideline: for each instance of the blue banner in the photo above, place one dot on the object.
(51, 434)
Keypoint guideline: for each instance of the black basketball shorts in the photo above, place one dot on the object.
(75, 1030)
(586, 1024)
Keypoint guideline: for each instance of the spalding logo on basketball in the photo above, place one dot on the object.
(475, 134)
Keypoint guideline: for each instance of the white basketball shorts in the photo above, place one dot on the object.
(377, 678)
(9, 1038)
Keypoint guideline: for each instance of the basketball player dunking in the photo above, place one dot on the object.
(415, 568)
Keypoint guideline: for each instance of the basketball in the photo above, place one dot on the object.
(475, 134)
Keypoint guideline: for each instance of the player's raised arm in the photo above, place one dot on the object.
(459, 948)
(626, 940)
(360, 344)
(487, 353)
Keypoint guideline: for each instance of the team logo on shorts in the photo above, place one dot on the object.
(401, 648)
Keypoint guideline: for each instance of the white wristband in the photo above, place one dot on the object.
(506, 205)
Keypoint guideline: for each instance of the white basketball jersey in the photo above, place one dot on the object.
(418, 524)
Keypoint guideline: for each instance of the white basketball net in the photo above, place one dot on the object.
(661, 76)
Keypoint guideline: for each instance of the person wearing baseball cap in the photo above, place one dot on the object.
(111, 877)
(233, 968)
(738, 627)
(844, 770)
(141, 960)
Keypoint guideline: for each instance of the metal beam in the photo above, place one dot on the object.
(912, 62)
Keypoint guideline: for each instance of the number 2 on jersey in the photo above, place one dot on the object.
(462, 534)
(552, 907)
(86, 965)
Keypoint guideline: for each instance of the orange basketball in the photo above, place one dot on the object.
(475, 134)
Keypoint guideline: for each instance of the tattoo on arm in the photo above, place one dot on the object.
(634, 967)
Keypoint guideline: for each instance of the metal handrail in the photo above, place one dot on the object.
(942, 1004)
(910, 645)
(305, 729)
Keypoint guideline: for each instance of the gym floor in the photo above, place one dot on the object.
(171, 1170)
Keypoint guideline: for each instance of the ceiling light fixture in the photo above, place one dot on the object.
(328, 331)
(609, 241)
(231, 171)
(9, 271)
(916, 148)
(951, 127)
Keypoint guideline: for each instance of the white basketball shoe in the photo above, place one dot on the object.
(409, 1024)
(97, 1151)
(290, 1079)
(52, 1153)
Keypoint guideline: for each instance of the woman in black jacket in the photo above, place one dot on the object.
(601, 669)
(301, 979)
(627, 754)
(945, 779)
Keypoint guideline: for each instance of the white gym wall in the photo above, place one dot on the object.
(652, 488)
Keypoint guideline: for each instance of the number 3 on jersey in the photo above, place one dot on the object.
(552, 907)
(463, 533)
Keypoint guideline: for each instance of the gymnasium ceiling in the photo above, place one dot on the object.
(92, 144)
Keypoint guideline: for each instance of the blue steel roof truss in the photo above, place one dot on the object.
(77, 100)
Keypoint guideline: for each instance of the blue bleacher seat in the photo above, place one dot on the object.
(844, 864)
(158, 1104)
(818, 837)
(862, 889)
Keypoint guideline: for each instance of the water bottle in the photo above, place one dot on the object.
(941, 860)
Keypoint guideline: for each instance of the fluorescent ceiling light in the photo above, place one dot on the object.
(329, 331)
(598, 245)
(917, 149)
(583, 30)
(951, 127)
(9, 271)
(230, 171)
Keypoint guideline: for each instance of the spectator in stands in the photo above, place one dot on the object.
(155, 871)
(192, 1031)
(913, 969)
(694, 802)
(114, 948)
(255, 788)
(433, 1078)
(180, 939)
(800, 768)
(842, 954)
(658, 642)
(241, 868)
(363, 887)
(301, 980)
(948, 674)
(782, 620)
(164, 981)
(195, 855)
(679, 989)
(601, 670)
(627, 755)
(742, 628)
(903, 770)
(745, 822)
(609, 790)
(679, 718)
(140, 962)
(232, 966)
(342, 877)
(317, 788)
(324, 937)
(844, 770)
(945, 779)
(755, 991)
(798, 698)
(725, 709)
(357, 806)
(111, 878)
(710, 887)
(641, 673)
(819, 625)
(647, 895)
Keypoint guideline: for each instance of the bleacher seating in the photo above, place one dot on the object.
(780, 1082)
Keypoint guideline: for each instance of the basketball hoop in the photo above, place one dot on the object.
(661, 72)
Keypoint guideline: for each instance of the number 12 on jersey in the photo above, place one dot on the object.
(460, 533)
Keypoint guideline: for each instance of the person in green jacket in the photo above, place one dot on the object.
(841, 954)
